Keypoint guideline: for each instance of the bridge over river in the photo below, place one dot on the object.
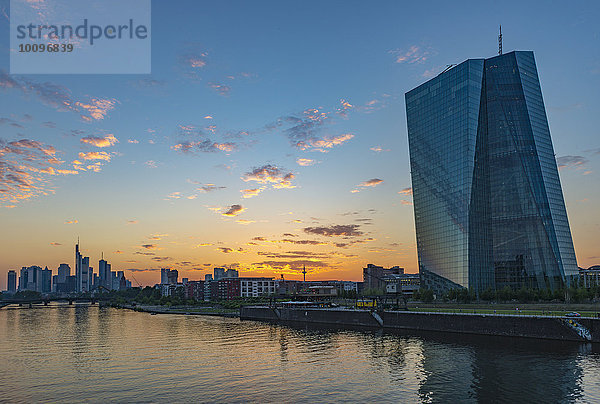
(46, 300)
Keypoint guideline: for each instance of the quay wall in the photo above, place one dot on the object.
(543, 327)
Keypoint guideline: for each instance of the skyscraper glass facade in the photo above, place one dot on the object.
(488, 204)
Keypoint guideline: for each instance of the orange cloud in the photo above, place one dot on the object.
(379, 149)
(98, 141)
(24, 166)
(157, 236)
(206, 146)
(95, 156)
(52, 171)
(249, 193)
(97, 108)
(344, 106)
(243, 221)
(270, 174)
(226, 147)
(305, 162)
(174, 195)
(373, 182)
(325, 143)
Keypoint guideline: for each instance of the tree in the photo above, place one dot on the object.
(372, 292)
(505, 294)
(488, 295)
(524, 295)
(27, 294)
(426, 295)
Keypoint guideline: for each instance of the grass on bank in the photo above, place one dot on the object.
(468, 310)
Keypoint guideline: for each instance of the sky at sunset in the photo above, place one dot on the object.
(271, 135)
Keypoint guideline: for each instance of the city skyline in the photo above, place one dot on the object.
(260, 142)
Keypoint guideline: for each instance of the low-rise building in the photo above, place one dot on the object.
(373, 276)
(229, 288)
(407, 284)
(194, 290)
(590, 277)
(255, 287)
(323, 290)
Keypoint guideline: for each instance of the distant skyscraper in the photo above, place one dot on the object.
(114, 281)
(488, 204)
(82, 271)
(31, 279)
(173, 276)
(11, 284)
(219, 273)
(46, 281)
(85, 274)
(164, 276)
(232, 273)
(23, 279)
(64, 270)
(122, 280)
(104, 276)
(60, 281)
(78, 259)
(102, 272)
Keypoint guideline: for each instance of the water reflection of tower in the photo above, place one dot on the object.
(497, 369)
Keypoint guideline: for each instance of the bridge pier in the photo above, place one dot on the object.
(45, 302)
(30, 305)
(70, 301)
(93, 302)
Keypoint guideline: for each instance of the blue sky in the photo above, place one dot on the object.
(244, 94)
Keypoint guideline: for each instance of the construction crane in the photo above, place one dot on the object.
(136, 281)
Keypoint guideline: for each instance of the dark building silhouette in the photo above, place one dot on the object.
(11, 284)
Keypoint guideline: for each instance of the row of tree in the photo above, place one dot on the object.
(572, 294)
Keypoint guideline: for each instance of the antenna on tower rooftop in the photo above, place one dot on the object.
(500, 41)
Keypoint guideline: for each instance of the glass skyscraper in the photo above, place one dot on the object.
(488, 204)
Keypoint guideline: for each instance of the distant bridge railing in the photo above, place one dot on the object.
(47, 300)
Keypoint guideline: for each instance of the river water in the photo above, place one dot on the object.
(79, 353)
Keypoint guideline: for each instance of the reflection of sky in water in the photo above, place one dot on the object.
(67, 353)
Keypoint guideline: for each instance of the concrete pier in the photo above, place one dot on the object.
(541, 327)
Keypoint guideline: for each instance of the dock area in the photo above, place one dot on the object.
(583, 329)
